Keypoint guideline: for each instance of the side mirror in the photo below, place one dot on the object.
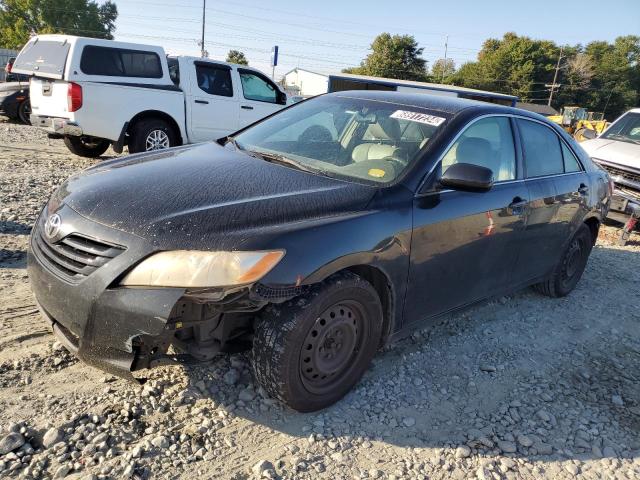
(466, 176)
(282, 97)
(589, 134)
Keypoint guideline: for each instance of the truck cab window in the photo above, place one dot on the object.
(214, 80)
(256, 88)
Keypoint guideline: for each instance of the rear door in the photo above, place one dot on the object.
(212, 103)
(465, 243)
(260, 97)
(557, 189)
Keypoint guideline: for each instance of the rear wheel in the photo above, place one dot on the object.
(90, 147)
(24, 112)
(310, 351)
(569, 269)
(152, 134)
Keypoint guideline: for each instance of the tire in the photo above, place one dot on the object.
(152, 134)
(24, 111)
(90, 147)
(569, 269)
(310, 351)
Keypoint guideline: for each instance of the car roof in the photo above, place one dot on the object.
(446, 104)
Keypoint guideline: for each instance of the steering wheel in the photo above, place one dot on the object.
(316, 133)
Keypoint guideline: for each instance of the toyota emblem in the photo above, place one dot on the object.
(52, 225)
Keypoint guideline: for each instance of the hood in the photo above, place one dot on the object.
(202, 191)
(13, 86)
(615, 151)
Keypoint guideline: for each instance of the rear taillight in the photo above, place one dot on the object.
(8, 67)
(74, 97)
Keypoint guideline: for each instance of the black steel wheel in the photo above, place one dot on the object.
(309, 352)
(569, 270)
(24, 112)
(90, 147)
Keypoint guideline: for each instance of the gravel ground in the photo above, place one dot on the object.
(521, 387)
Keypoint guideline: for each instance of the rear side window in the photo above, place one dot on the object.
(120, 62)
(570, 161)
(214, 80)
(542, 154)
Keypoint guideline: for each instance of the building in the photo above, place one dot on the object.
(344, 81)
(542, 109)
(305, 83)
(5, 55)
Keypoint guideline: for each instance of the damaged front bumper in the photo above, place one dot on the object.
(116, 329)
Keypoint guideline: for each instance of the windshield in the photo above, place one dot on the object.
(356, 139)
(626, 129)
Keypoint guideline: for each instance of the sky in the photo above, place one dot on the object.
(330, 35)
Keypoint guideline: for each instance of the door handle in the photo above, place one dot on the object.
(583, 189)
(204, 102)
(247, 107)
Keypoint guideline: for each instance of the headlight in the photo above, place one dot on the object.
(185, 268)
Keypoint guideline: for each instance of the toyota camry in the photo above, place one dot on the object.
(314, 237)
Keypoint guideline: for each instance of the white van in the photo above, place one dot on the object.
(95, 93)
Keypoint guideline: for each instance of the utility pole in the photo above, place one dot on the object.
(555, 77)
(204, 11)
(444, 67)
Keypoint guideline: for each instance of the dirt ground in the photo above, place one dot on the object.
(522, 387)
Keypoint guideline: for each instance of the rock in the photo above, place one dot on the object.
(507, 447)
(544, 416)
(572, 468)
(160, 442)
(263, 468)
(247, 395)
(462, 451)
(488, 368)
(524, 441)
(61, 472)
(617, 400)
(51, 437)
(231, 377)
(483, 474)
(609, 452)
(11, 442)
(409, 421)
(137, 451)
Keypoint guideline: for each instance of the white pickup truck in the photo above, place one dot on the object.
(95, 93)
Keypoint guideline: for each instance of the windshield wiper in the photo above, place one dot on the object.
(622, 138)
(277, 158)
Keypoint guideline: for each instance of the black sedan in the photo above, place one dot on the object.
(14, 101)
(314, 237)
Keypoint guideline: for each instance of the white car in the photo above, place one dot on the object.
(617, 150)
(95, 93)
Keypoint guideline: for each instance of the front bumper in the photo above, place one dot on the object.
(56, 126)
(622, 205)
(116, 329)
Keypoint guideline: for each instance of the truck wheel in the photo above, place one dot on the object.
(24, 111)
(151, 134)
(90, 147)
(569, 269)
(310, 351)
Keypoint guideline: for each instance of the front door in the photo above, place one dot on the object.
(465, 243)
(213, 103)
(260, 97)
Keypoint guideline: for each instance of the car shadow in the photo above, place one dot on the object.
(13, 258)
(522, 376)
(14, 228)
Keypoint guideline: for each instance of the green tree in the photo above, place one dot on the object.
(19, 19)
(393, 56)
(236, 56)
(442, 70)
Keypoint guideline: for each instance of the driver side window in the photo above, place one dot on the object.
(487, 143)
(256, 88)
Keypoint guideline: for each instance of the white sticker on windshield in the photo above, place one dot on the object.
(418, 117)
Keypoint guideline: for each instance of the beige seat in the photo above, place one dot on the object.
(372, 151)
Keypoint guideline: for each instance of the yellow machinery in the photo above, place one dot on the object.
(575, 120)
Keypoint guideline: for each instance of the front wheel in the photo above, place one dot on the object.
(24, 112)
(90, 147)
(310, 351)
(569, 269)
(151, 134)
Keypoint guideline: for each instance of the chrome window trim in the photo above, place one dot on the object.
(487, 115)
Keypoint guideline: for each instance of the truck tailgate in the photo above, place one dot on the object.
(49, 97)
